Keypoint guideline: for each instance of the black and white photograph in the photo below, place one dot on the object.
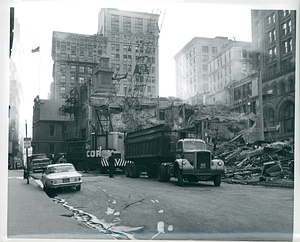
(149, 120)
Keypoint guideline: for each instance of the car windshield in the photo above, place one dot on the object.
(59, 169)
(194, 145)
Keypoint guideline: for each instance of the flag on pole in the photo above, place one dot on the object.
(37, 49)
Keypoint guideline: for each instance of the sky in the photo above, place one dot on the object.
(179, 23)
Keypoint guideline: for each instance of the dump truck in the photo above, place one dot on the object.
(161, 152)
(85, 156)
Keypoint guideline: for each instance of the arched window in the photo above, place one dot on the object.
(291, 85)
(269, 117)
(275, 90)
(287, 117)
(282, 88)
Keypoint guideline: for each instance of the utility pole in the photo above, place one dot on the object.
(27, 165)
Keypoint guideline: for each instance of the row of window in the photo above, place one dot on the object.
(286, 28)
(287, 47)
(79, 48)
(74, 68)
(115, 23)
(271, 19)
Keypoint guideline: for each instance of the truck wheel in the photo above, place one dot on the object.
(127, 170)
(163, 176)
(217, 180)
(135, 170)
(180, 177)
(78, 188)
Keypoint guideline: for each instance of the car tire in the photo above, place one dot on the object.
(78, 188)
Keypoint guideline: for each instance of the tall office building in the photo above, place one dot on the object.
(274, 42)
(132, 45)
(191, 66)
(75, 57)
(232, 63)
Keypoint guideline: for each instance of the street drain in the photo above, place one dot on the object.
(119, 232)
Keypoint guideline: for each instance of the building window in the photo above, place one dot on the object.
(90, 49)
(73, 48)
(63, 47)
(205, 58)
(63, 56)
(62, 78)
(126, 24)
(139, 25)
(285, 13)
(112, 56)
(62, 90)
(62, 67)
(114, 22)
(287, 118)
(113, 47)
(205, 49)
(73, 57)
(284, 29)
(214, 50)
(125, 58)
(244, 68)
(90, 70)
(81, 49)
(194, 50)
(290, 26)
(81, 69)
(81, 80)
(52, 130)
(72, 80)
(117, 57)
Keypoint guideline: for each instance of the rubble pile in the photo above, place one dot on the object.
(259, 160)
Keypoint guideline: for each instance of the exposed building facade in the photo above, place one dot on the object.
(191, 66)
(75, 57)
(132, 38)
(274, 42)
(233, 62)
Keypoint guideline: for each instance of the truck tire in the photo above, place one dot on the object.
(179, 177)
(127, 170)
(135, 170)
(217, 180)
(163, 176)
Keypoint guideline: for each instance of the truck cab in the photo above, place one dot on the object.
(195, 163)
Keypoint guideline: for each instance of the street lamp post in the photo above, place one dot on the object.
(27, 166)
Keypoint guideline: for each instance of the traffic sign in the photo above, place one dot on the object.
(27, 143)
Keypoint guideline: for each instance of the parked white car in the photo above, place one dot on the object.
(61, 175)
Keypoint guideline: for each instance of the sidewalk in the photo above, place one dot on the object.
(32, 214)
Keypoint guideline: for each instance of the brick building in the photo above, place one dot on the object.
(48, 127)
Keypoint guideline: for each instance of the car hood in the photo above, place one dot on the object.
(63, 175)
